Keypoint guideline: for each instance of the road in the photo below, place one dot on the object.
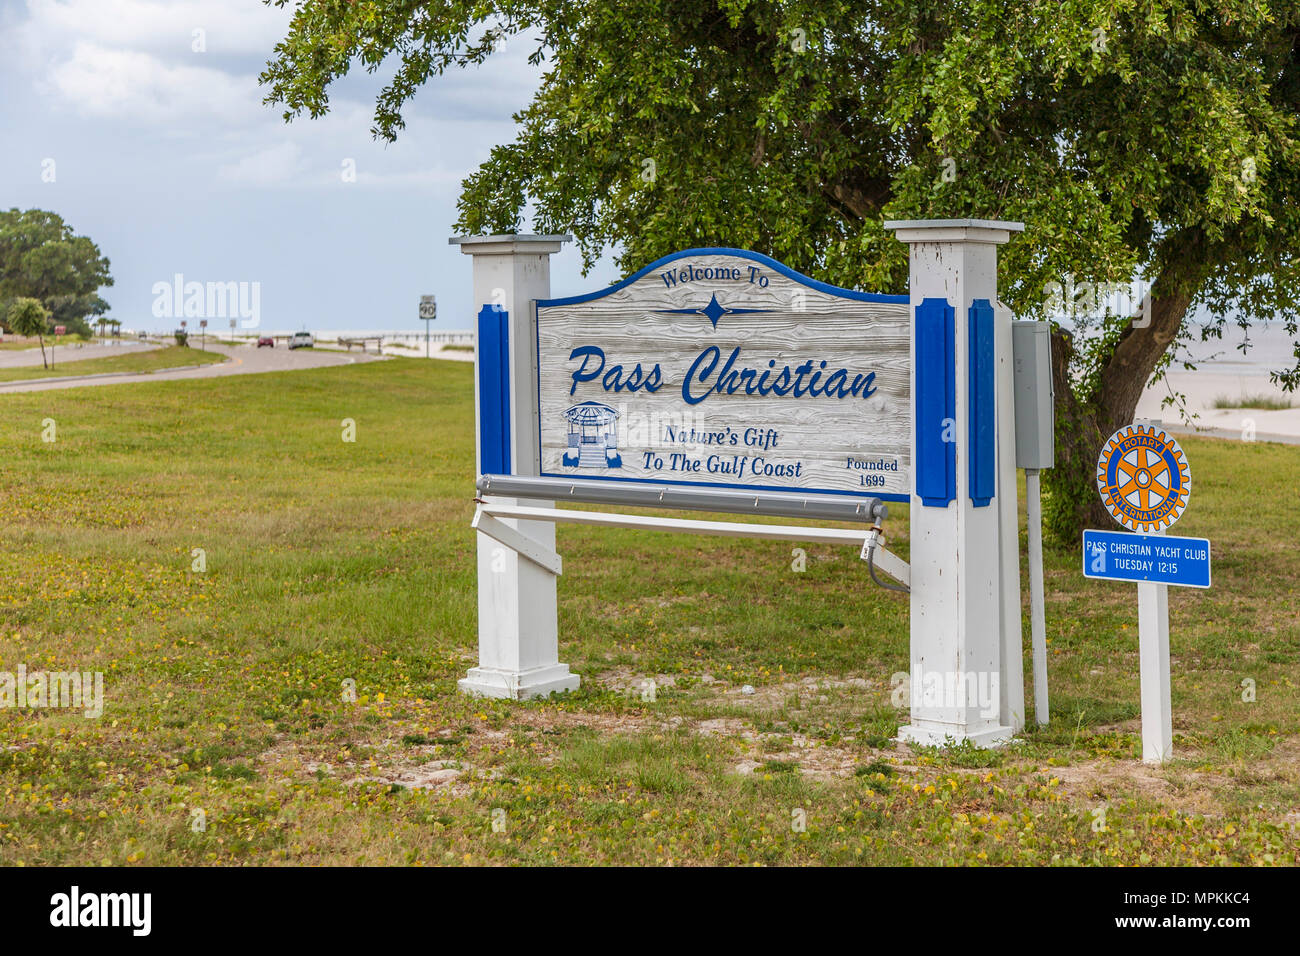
(71, 354)
(245, 360)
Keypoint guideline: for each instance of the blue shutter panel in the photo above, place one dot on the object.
(983, 422)
(936, 401)
(494, 390)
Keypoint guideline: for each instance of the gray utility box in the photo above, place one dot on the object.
(1031, 352)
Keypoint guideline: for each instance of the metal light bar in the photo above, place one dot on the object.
(647, 495)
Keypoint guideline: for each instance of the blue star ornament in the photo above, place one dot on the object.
(713, 311)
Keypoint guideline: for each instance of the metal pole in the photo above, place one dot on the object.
(1037, 622)
(651, 495)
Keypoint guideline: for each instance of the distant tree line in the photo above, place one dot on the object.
(48, 275)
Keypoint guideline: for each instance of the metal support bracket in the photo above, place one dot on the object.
(873, 550)
(516, 540)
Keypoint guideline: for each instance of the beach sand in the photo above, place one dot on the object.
(1224, 371)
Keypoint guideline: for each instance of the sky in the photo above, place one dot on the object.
(141, 123)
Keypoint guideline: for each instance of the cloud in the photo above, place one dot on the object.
(163, 27)
(169, 158)
(273, 166)
(136, 86)
(126, 70)
(131, 61)
(145, 61)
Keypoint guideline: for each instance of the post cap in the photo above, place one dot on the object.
(953, 230)
(507, 243)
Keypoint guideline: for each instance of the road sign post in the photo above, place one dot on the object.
(1153, 672)
(428, 312)
(1145, 483)
(58, 333)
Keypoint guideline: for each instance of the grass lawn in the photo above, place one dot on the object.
(229, 734)
(13, 343)
(169, 356)
(1270, 403)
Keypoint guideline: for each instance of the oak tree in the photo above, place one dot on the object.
(1139, 140)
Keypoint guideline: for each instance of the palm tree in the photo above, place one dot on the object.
(29, 317)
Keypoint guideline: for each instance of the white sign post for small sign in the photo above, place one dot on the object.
(1145, 483)
(428, 312)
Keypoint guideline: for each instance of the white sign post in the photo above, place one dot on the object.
(1153, 672)
(517, 624)
(966, 673)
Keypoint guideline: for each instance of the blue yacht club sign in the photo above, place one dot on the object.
(725, 368)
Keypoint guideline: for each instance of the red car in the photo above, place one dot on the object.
(266, 340)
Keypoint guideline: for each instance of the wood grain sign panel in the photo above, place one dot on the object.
(725, 368)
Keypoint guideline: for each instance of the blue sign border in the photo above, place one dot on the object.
(708, 251)
(740, 253)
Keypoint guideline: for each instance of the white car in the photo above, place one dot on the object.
(301, 340)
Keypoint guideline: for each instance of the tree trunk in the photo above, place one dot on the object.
(41, 339)
(1084, 420)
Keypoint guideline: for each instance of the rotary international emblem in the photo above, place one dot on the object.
(1143, 478)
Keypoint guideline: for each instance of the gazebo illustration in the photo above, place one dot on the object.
(592, 442)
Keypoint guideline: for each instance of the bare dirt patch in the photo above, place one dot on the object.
(1106, 779)
(813, 758)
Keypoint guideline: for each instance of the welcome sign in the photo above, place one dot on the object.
(723, 367)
